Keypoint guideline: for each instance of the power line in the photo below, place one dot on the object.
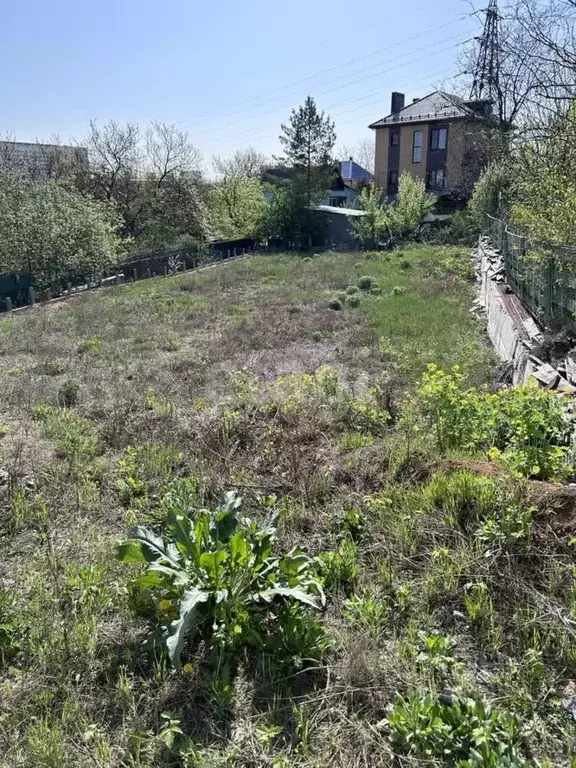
(247, 140)
(338, 88)
(242, 104)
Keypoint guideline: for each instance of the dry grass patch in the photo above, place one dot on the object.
(242, 377)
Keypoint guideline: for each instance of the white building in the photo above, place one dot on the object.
(41, 161)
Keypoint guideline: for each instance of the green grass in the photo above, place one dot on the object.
(241, 376)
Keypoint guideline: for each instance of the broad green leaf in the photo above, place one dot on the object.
(316, 601)
(225, 520)
(152, 579)
(211, 561)
(189, 608)
(180, 527)
(201, 537)
(177, 576)
(130, 551)
(153, 547)
(239, 550)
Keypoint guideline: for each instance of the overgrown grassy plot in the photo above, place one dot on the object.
(130, 413)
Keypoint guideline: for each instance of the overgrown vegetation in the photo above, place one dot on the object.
(50, 230)
(399, 219)
(385, 593)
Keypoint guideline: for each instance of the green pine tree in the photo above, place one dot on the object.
(308, 141)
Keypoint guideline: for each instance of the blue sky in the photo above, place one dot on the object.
(228, 71)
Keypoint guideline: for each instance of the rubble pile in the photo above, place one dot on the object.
(529, 339)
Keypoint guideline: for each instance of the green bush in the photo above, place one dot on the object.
(528, 428)
(146, 469)
(367, 283)
(373, 227)
(457, 731)
(216, 578)
(405, 264)
(398, 290)
(412, 205)
(68, 393)
(49, 228)
(353, 300)
(435, 655)
(352, 289)
(335, 304)
(12, 629)
(487, 191)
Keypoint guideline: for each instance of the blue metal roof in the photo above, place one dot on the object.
(351, 171)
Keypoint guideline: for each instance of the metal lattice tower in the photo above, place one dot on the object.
(487, 72)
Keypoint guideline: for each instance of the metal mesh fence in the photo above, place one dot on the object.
(543, 277)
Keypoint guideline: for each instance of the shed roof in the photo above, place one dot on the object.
(339, 210)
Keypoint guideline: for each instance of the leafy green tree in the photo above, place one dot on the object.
(287, 215)
(400, 219)
(176, 210)
(236, 199)
(410, 209)
(237, 206)
(52, 231)
(543, 195)
(373, 227)
(487, 198)
(153, 181)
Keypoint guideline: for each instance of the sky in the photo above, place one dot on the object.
(226, 71)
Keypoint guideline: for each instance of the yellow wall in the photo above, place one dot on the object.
(406, 144)
(463, 137)
(382, 145)
(381, 157)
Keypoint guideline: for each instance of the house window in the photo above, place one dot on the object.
(436, 179)
(337, 202)
(438, 138)
(394, 138)
(417, 147)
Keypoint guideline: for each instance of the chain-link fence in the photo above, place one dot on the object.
(543, 277)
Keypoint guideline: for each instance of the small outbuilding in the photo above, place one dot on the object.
(339, 233)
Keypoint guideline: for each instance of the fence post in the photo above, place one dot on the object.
(134, 275)
(8, 302)
(31, 295)
(549, 291)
